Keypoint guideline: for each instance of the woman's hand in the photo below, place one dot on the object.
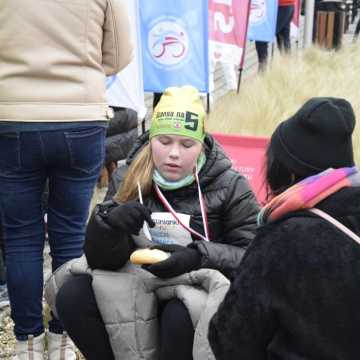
(181, 261)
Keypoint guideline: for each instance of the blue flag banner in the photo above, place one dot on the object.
(262, 20)
(174, 38)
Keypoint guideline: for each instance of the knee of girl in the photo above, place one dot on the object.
(175, 319)
(69, 296)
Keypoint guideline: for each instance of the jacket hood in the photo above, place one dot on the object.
(217, 161)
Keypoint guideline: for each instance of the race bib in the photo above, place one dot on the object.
(168, 230)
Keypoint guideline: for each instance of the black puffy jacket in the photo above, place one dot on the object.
(120, 134)
(296, 295)
(231, 210)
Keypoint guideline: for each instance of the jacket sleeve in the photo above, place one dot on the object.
(117, 147)
(124, 120)
(106, 247)
(244, 324)
(117, 49)
(238, 221)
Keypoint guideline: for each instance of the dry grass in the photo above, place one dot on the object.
(269, 98)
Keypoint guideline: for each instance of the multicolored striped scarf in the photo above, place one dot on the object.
(309, 192)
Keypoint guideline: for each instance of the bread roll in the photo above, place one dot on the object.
(148, 256)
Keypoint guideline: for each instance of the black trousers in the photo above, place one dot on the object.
(81, 318)
(283, 23)
(357, 30)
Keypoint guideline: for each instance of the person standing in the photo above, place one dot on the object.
(54, 57)
(357, 31)
(285, 14)
(283, 23)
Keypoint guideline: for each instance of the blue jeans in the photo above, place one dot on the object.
(71, 161)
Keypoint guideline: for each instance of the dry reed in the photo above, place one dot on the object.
(274, 95)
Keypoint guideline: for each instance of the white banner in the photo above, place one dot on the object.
(126, 89)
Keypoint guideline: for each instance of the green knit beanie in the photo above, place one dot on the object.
(179, 112)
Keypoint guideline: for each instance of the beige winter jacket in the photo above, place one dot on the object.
(54, 55)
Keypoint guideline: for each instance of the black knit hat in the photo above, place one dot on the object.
(316, 138)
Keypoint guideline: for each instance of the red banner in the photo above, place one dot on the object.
(228, 20)
(247, 154)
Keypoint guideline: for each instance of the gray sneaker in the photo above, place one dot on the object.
(4, 297)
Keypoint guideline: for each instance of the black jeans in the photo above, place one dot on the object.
(283, 23)
(81, 318)
(262, 53)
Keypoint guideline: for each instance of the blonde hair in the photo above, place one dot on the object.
(140, 171)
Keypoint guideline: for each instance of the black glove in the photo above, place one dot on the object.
(181, 261)
(128, 217)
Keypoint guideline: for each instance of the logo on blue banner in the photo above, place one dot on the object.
(262, 20)
(174, 38)
(258, 12)
(168, 42)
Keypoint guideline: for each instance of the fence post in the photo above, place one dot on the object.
(309, 22)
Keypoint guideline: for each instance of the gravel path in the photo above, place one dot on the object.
(7, 340)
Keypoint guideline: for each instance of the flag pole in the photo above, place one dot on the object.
(207, 103)
(241, 66)
(239, 79)
(309, 22)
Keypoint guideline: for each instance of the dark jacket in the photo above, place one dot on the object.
(121, 134)
(296, 294)
(231, 210)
